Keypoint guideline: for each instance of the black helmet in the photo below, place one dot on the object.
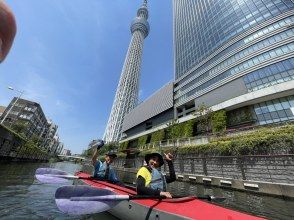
(149, 156)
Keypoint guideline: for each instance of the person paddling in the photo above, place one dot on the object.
(150, 180)
(103, 170)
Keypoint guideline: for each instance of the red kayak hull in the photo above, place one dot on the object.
(184, 208)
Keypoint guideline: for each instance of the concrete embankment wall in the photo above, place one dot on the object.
(267, 174)
(10, 148)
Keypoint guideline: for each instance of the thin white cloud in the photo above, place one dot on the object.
(63, 105)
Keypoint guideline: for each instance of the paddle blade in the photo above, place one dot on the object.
(49, 175)
(64, 203)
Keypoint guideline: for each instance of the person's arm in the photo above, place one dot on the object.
(143, 190)
(172, 175)
(97, 145)
(95, 156)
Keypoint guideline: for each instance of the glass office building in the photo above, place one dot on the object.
(236, 55)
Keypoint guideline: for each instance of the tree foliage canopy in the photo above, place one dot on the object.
(219, 120)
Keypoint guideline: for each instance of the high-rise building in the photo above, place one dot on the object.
(27, 112)
(49, 134)
(154, 113)
(60, 148)
(236, 55)
(66, 152)
(126, 97)
(2, 109)
(54, 145)
(27, 118)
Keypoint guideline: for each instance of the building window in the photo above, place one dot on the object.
(242, 116)
(270, 75)
(277, 110)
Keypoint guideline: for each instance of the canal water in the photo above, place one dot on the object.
(23, 197)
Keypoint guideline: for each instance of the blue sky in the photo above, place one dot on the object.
(68, 56)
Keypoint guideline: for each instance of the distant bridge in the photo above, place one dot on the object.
(71, 157)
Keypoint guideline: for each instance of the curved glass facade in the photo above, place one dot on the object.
(203, 25)
(219, 41)
(276, 110)
(249, 40)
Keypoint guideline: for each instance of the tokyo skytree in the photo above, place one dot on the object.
(126, 97)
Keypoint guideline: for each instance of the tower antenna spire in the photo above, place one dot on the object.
(145, 2)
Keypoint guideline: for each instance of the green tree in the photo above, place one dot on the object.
(157, 136)
(109, 146)
(20, 127)
(203, 116)
(189, 128)
(142, 140)
(88, 153)
(124, 145)
(219, 119)
(172, 129)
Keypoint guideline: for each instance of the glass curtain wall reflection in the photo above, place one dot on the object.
(245, 43)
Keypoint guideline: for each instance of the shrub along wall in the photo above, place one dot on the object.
(177, 130)
(185, 129)
(30, 151)
(278, 140)
(265, 141)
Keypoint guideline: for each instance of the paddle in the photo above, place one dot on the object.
(81, 200)
(50, 175)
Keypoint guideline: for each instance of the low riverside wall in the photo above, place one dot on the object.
(10, 145)
(268, 174)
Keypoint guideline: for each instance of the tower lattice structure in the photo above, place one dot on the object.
(126, 97)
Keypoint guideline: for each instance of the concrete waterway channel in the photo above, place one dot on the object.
(23, 197)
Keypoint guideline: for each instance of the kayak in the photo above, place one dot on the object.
(166, 209)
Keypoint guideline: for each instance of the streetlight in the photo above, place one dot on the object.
(20, 94)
